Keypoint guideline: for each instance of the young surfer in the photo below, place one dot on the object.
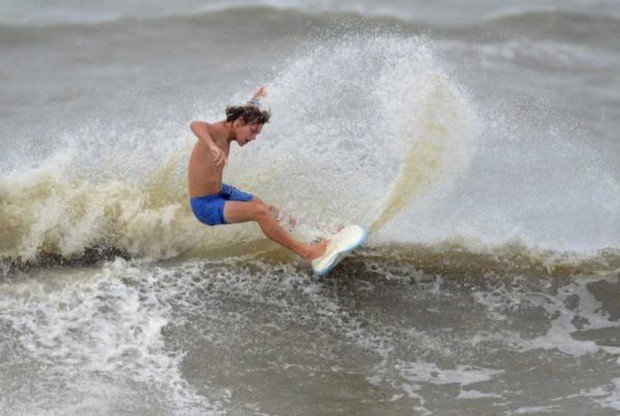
(214, 202)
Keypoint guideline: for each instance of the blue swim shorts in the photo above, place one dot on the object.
(209, 209)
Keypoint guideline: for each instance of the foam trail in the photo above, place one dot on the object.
(363, 128)
(342, 120)
(440, 135)
(381, 112)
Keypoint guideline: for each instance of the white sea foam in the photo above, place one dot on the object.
(563, 324)
(94, 336)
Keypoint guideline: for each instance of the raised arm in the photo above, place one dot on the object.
(255, 100)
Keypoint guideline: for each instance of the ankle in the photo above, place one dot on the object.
(304, 252)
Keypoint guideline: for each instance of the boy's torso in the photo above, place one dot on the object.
(204, 176)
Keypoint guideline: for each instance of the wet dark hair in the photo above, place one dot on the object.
(248, 113)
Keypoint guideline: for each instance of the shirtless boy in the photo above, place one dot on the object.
(214, 202)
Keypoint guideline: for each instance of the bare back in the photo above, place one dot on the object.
(203, 174)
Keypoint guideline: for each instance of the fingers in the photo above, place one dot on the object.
(222, 159)
(219, 157)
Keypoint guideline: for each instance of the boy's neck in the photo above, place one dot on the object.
(230, 132)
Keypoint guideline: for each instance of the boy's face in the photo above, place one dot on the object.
(247, 132)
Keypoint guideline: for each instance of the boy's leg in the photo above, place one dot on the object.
(236, 212)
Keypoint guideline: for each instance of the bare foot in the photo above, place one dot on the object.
(315, 250)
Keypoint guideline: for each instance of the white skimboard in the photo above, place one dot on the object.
(341, 244)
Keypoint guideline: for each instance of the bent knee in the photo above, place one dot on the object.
(260, 211)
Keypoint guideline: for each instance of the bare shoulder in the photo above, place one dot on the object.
(215, 130)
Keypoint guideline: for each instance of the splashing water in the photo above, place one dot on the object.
(361, 126)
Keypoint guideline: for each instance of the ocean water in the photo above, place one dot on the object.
(478, 141)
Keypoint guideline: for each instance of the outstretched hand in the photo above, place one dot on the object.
(260, 92)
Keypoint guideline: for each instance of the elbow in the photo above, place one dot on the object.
(197, 127)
